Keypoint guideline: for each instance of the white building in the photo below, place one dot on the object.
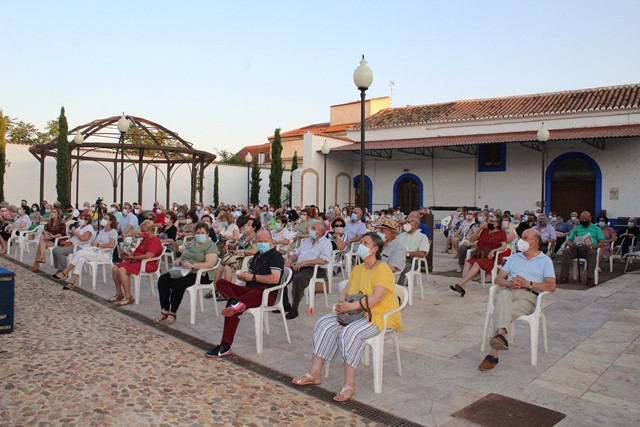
(486, 152)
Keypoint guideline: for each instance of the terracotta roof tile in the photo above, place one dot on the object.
(543, 104)
(317, 128)
(527, 136)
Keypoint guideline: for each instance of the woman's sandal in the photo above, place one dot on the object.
(345, 394)
(126, 301)
(34, 267)
(171, 318)
(162, 316)
(116, 298)
(41, 260)
(68, 286)
(57, 277)
(306, 379)
(459, 289)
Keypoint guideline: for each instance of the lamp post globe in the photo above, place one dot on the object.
(543, 133)
(362, 77)
(123, 124)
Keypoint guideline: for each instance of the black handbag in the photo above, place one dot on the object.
(351, 316)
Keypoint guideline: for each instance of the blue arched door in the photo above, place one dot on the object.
(368, 191)
(407, 192)
(574, 183)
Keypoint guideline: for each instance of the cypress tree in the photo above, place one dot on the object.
(275, 176)
(255, 183)
(62, 161)
(215, 187)
(4, 122)
(294, 166)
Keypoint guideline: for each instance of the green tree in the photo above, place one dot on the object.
(62, 161)
(4, 123)
(22, 132)
(228, 157)
(275, 176)
(215, 187)
(294, 166)
(255, 183)
(51, 132)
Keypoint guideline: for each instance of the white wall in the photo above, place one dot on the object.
(22, 181)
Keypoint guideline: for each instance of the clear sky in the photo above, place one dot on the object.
(225, 74)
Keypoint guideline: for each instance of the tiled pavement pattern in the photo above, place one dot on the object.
(591, 373)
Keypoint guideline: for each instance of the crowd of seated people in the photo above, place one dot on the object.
(387, 237)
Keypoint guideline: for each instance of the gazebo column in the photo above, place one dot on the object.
(140, 178)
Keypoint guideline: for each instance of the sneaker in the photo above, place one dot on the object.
(221, 350)
(458, 270)
(499, 342)
(234, 307)
(488, 363)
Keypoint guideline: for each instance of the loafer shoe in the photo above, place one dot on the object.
(499, 342)
(488, 363)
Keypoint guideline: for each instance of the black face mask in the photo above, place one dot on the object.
(491, 226)
(585, 224)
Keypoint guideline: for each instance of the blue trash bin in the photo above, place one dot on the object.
(7, 295)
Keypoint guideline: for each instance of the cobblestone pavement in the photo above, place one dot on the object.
(73, 362)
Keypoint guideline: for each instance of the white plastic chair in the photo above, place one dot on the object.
(137, 278)
(31, 238)
(350, 259)
(18, 236)
(574, 267)
(94, 265)
(532, 319)
(196, 291)
(335, 262)
(310, 290)
(168, 258)
(415, 275)
(377, 343)
(260, 316)
(494, 270)
(631, 256)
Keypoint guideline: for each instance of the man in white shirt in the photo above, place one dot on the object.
(355, 229)
(314, 250)
(417, 244)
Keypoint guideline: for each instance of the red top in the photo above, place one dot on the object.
(152, 245)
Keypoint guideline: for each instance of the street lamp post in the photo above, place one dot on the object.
(543, 137)
(362, 77)
(78, 139)
(325, 150)
(248, 158)
(123, 127)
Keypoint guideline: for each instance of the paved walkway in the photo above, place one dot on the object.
(591, 373)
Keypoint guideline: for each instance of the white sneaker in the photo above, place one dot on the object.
(458, 270)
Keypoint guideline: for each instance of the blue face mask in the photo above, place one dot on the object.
(382, 236)
(525, 218)
(344, 213)
(480, 219)
(354, 217)
(225, 224)
(263, 247)
(375, 217)
(601, 224)
(278, 226)
(312, 234)
(363, 251)
(201, 238)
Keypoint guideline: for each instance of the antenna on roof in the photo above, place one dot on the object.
(392, 83)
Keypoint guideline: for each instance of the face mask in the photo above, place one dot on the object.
(19, 211)
(166, 220)
(137, 211)
(630, 224)
(103, 223)
(82, 223)
(375, 217)
(523, 245)
(542, 223)
(363, 251)
(554, 219)
(344, 213)
(491, 226)
(601, 224)
(93, 209)
(262, 247)
(145, 235)
(312, 234)
(480, 219)
(338, 230)
(86, 208)
(3, 209)
(525, 218)
(54, 215)
(47, 211)
(201, 238)
(585, 224)
(406, 227)
(34, 209)
(382, 236)
(505, 224)
(354, 217)
(225, 224)
(278, 226)
(303, 218)
(189, 221)
(388, 216)
(112, 210)
(469, 216)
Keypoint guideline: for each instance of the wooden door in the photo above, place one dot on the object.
(573, 187)
(408, 195)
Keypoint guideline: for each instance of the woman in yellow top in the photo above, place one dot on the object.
(374, 279)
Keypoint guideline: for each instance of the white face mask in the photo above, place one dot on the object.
(406, 227)
(81, 223)
(523, 245)
(189, 221)
(104, 223)
(137, 211)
